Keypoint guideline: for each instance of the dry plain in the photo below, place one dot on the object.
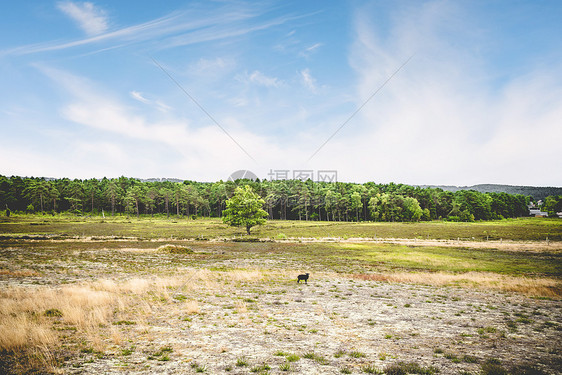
(133, 305)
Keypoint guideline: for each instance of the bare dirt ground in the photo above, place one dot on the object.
(157, 313)
(362, 323)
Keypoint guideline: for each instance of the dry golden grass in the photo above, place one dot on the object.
(92, 306)
(17, 273)
(24, 319)
(18, 331)
(245, 275)
(116, 336)
(191, 307)
(535, 287)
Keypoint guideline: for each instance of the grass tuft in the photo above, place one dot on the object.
(371, 369)
(175, 249)
(241, 362)
(357, 354)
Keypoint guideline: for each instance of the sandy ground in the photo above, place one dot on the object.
(450, 329)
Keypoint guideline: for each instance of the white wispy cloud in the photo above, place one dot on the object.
(90, 18)
(211, 66)
(138, 96)
(259, 78)
(308, 81)
(162, 107)
(176, 29)
(313, 47)
(440, 120)
(158, 104)
(200, 152)
(308, 51)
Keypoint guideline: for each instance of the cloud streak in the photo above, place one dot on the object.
(89, 18)
(260, 79)
(308, 81)
(138, 96)
(159, 105)
(176, 29)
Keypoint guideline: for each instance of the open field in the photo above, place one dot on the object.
(523, 229)
(157, 296)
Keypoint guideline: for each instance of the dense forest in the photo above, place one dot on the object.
(284, 199)
(537, 192)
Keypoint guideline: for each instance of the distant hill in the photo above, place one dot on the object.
(161, 180)
(537, 192)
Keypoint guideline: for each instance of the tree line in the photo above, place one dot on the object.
(284, 199)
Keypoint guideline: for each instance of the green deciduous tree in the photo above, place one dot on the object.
(38, 191)
(552, 204)
(411, 209)
(244, 209)
(74, 193)
(356, 203)
(134, 198)
(114, 193)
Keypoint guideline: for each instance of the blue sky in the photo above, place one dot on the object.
(92, 89)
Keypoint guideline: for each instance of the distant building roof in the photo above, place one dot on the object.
(537, 212)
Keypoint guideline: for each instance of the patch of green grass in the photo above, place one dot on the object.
(450, 356)
(292, 357)
(127, 352)
(175, 249)
(241, 362)
(451, 259)
(339, 257)
(124, 322)
(493, 367)
(286, 367)
(162, 354)
(146, 227)
(260, 368)
(197, 367)
(371, 369)
(357, 354)
(403, 368)
(53, 313)
(483, 331)
(340, 353)
(511, 325)
(316, 357)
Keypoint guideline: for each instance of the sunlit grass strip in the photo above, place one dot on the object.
(534, 287)
(521, 229)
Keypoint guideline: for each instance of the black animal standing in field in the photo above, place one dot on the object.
(303, 277)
